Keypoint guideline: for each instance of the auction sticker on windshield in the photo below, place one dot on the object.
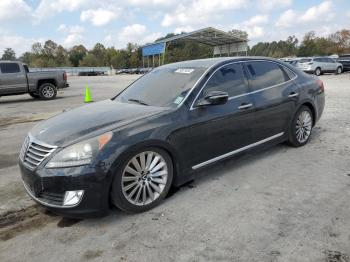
(184, 70)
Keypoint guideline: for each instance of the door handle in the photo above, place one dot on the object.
(245, 106)
(293, 94)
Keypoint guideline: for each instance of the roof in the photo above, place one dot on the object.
(209, 62)
(209, 36)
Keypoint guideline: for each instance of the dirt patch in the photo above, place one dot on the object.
(68, 222)
(14, 223)
(336, 256)
(92, 254)
(7, 121)
(8, 160)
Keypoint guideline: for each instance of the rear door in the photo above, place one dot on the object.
(218, 130)
(275, 97)
(12, 78)
(331, 65)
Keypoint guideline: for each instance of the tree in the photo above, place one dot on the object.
(50, 49)
(76, 54)
(89, 60)
(9, 54)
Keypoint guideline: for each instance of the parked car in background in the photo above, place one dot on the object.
(91, 73)
(15, 79)
(345, 61)
(320, 65)
(293, 62)
(165, 126)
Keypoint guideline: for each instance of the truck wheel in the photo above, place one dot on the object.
(34, 95)
(47, 91)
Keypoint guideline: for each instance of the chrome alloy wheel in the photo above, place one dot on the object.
(48, 91)
(303, 126)
(144, 178)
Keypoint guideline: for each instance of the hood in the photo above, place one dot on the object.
(96, 118)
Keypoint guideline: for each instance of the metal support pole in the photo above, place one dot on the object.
(153, 61)
(159, 59)
(164, 53)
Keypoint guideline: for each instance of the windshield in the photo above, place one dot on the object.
(163, 86)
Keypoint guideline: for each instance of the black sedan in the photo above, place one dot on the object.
(179, 118)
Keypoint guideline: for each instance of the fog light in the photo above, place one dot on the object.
(72, 198)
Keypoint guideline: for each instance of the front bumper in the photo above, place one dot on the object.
(48, 186)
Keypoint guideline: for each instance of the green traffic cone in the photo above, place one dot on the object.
(87, 95)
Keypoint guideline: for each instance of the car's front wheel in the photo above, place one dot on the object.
(301, 128)
(143, 180)
(318, 71)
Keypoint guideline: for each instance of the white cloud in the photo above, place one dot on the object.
(73, 34)
(257, 20)
(269, 5)
(47, 6)
(314, 14)
(73, 39)
(135, 33)
(287, 19)
(181, 29)
(253, 26)
(324, 10)
(14, 9)
(132, 33)
(18, 43)
(200, 12)
(98, 17)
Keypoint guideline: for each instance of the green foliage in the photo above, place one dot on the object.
(9, 54)
(50, 54)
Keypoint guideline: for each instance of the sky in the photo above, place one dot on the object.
(115, 23)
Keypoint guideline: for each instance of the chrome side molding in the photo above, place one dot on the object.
(237, 151)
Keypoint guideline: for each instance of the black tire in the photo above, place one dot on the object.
(338, 71)
(293, 137)
(47, 91)
(117, 195)
(318, 71)
(36, 96)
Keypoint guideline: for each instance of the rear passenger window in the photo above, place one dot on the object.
(228, 79)
(6, 68)
(265, 74)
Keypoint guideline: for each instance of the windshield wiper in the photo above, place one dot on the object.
(138, 101)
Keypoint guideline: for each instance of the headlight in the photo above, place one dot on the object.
(81, 153)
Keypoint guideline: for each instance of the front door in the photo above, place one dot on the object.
(12, 79)
(219, 131)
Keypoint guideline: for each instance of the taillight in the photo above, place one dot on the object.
(321, 85)
(65, 76)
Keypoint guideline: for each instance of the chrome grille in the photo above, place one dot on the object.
(34, 152)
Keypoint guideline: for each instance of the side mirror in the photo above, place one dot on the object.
(213, 98)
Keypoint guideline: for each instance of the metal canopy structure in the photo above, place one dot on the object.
(223, 43)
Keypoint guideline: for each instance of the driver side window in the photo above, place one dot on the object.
(229, 79)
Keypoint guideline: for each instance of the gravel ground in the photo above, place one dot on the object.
(278, 204)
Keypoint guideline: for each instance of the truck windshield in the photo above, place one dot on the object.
(163, 86)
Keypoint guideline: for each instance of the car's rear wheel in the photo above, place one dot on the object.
(143, 180)
(36, 96)
(338, 71)
(47, 91)
(318, 71)
(301, 128)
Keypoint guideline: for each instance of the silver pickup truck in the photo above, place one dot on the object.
(16, 79)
